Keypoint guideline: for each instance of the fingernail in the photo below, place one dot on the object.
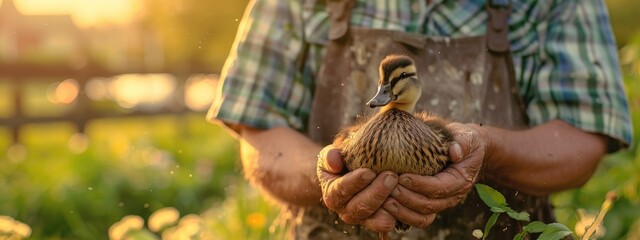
(392, 208)
(405, 181)
(457, 150)
(368, 176)
(390, 181)
(396, 192)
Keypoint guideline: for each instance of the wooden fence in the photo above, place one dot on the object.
(20, 75)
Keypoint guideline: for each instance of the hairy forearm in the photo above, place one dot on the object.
(281, 162)
(551, 157)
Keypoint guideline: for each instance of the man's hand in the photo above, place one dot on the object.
(417, 199)
(356, 196)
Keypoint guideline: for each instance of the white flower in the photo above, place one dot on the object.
(163, 218)
(6, 224)
(14, 228)
(21, 229)
(477, 233)
(119, 230)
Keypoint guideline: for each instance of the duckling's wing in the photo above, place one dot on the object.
(437, 124)
(344, 135)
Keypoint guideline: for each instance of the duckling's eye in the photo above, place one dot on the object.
(403, 75)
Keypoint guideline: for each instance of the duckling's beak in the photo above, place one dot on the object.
(383, 97)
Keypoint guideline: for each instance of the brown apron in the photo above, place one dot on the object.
(468, 80)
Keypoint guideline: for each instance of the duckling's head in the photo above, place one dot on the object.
(398, 86)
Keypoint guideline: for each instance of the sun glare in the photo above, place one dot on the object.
(85, 13)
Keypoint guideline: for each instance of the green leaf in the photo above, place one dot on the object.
(535, 227)
(498, 209)
(490, 196)
(519, 236)
(520, 216)
(555, 231)
(492, 221)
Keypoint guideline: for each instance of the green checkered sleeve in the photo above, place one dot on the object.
(262, 85)
(576, 75)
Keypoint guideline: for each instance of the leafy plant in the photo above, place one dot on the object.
(498, 205)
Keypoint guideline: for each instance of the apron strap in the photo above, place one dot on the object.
(340, 14)
(497, 26)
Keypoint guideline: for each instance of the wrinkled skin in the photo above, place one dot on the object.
(361, 197)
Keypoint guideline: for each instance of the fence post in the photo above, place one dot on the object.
(18, 114)
(82, 112)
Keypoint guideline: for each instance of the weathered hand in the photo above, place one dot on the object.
(417, 199)
(356, 196)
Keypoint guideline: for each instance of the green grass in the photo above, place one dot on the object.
(131, 166)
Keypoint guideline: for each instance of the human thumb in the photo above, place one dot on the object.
(455, 152)
(331, 161)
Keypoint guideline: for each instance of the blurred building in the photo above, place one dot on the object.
(125, 48)
(57, 71)
(56, 40)
(38, 38)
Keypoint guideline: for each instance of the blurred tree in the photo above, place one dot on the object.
(195, 34)
(624, 19)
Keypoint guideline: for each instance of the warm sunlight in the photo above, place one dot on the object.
(85, 13)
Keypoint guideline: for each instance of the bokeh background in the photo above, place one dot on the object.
(102, 129)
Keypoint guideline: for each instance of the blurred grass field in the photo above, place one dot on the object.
(131, 166)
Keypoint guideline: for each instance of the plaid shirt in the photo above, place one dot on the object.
(564, 54)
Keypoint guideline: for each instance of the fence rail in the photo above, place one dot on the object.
(20, 75)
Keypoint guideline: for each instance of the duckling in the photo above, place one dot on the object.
(395, 138)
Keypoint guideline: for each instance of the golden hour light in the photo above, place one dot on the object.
(151, 90)
(78, 143)
(64, 92)
(199, 92)
(131, 119)
(84, 13)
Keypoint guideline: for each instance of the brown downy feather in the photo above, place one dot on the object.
(398, 141)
